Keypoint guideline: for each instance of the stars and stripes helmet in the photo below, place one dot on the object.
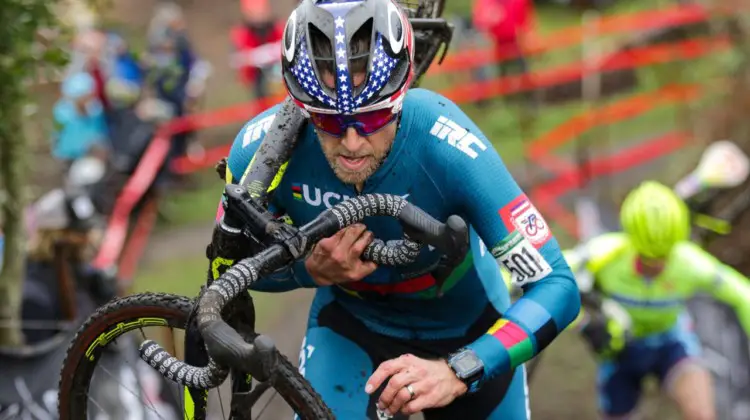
(338, 39)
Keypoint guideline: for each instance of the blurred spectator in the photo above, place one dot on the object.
(107, 58)
(79, 119)
(175, 73)
(467, 37)
(88, 55)
(505, 22)
(126, 76)
(174, 70)
(257, 42)
(59, 284)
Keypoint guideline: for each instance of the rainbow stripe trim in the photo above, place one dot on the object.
(535, 319)
(297, 191)
(519, 344)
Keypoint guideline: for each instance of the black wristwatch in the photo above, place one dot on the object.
(468, 368)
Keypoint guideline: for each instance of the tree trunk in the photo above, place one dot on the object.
(12, 168)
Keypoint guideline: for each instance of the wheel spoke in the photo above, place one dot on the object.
(268, 404)
(136, 395)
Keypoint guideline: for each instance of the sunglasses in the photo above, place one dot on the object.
(366, 123)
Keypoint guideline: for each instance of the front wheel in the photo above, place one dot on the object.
(109, 332)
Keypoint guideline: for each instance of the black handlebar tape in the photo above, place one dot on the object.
(223, 343)
(354, 210)
(351, 211)
(178, 371)
(398, 253)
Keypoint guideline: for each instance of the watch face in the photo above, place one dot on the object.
(467, 362)
(467, 365)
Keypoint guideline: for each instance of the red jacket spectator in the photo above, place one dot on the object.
(503, 20)
(258, 29)
(247, 38)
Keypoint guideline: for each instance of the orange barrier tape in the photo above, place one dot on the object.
(222, 116)
(626, 108)
(137, 185)
(185, 165)
(637, 57)
(572, 35)
(136, 245)
(546, 196)
(618, 162)
(470, 92)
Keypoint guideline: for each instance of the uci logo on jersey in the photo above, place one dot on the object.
(315, 197)
(457, 136)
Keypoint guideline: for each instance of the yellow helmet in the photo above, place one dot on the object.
(655, 219)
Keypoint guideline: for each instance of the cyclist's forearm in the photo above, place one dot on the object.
(579, 322)
(733, 288)
(590, 306)
(530, 324)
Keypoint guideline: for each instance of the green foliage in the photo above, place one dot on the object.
(22, 49)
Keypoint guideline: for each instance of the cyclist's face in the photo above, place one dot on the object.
(353, 157)
(651, 266)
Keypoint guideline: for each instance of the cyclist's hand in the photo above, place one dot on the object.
(605, 336)
(433, 382)
(336, 260)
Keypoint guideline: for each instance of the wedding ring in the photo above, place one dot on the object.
(411, 392)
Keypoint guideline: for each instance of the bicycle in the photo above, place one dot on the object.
(240, 349)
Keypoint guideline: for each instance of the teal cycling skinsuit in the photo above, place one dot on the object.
(660, 326)
(441, 162)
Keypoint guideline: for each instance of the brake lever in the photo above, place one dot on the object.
(243, 213)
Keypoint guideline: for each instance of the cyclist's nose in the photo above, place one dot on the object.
(352, 141)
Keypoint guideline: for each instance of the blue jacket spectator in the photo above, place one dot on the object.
(80, 119)
(126, 77)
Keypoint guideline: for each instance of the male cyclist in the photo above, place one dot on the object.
(650, 270)
(380, 342)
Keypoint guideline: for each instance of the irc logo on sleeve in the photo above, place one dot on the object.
(256, 130)
(457, 136)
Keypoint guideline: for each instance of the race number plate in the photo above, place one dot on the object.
(517, 255)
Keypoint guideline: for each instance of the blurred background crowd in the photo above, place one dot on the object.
(583, 99)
